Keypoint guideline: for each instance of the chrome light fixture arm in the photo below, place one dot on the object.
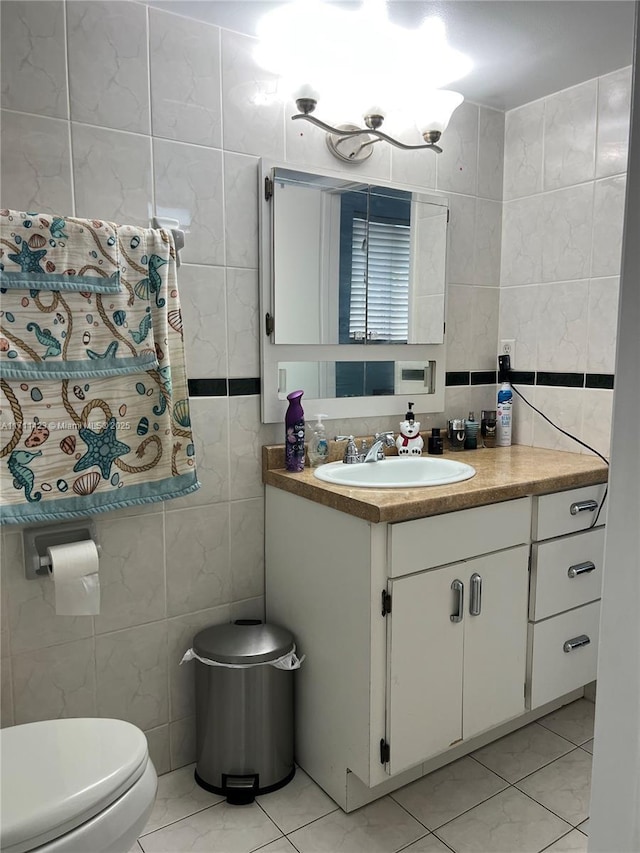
(373, 134)
(350, 131)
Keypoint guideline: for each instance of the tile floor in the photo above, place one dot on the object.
(525, 793)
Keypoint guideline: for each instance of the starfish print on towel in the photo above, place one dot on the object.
(29, 260)
(103, 448)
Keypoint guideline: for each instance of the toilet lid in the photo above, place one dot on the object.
(57, 774)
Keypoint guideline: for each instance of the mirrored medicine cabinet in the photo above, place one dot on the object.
(352, 294)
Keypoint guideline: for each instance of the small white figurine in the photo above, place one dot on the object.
(409, 442)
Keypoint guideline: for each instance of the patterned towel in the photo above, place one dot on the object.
(67, 334)
(39, 251)
(72, 447)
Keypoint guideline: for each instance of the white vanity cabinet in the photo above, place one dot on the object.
(564, 601)
(387, 666)
(433, 621)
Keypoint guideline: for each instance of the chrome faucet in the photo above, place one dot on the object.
(376, 452)
(351, 454)
(366, 454)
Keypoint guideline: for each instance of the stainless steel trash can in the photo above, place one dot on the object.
(244, 710)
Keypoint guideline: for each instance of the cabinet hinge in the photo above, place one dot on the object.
(268, 189)
(448, 212)
(269, 324)
(385, 752)
(386, 602)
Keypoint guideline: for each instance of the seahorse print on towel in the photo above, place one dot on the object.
(46, 339)
(143, 329)
(22, 476)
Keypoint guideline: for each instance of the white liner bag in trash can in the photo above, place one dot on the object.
(244, 708)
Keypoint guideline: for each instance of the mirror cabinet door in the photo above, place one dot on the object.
(355, 263)
(347, 264)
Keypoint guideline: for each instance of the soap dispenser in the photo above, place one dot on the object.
(409, 442)
(318, 445)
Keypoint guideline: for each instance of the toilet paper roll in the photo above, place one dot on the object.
(74, 569)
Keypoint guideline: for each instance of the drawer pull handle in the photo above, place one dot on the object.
(475, 602)
(576, 643)
(581, 569)
(458, 587)
(583, 506)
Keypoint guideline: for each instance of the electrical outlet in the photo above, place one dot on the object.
(508, 347)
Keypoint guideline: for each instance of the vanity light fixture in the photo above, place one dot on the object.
(354, 144)
(370, 60)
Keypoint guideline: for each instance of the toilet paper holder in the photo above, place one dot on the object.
(36, 541)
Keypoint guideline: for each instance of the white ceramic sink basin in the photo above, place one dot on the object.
(396, 473)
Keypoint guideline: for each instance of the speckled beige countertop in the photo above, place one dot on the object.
(502, 473)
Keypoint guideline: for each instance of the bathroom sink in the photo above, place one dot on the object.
(396, 473)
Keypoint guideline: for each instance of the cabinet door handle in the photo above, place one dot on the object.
(475, 596)
(583, 506)
(458, 587)
(581, 569)
(576, 643)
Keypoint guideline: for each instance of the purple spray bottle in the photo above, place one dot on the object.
(294, 433)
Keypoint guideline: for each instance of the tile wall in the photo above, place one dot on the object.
(565, 164)
(116, 111)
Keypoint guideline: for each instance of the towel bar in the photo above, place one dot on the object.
(172, 225)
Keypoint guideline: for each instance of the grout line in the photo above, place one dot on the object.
(513, 787)
(411, 843)
(271, 820)
(404, 808)
(221, 88)
(543, 143)
(541, 193)
(152, 164)
(562, 736)
(297, 849)
(526, 776)
(304, 825)
(471, 808)
(309, 822)
(533, 799)
(72, 182)
(556, 840)
(66, 60)
(184, 817)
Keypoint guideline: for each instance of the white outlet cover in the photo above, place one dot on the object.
(508, 347)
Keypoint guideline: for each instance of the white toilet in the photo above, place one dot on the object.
(74, 786)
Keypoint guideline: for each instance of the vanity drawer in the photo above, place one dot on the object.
(552, 671)
(560, 513)
(566, 573)
(441, 539)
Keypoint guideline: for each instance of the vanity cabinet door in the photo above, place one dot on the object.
(424, 666)
(495, 639)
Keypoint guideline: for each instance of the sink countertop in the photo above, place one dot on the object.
(502, 473)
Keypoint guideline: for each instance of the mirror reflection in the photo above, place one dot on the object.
(339, 379)
(355, 263)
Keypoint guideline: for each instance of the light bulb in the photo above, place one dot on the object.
(375, 110)
(439, 107)
(306, 90)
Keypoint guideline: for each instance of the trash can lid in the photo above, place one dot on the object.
(245, 641)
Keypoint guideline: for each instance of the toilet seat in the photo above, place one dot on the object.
(58, 774)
